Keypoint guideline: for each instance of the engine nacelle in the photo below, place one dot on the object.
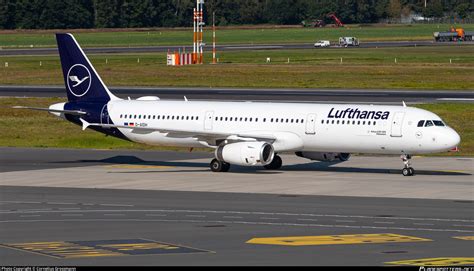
(324, 156)
(246, 153)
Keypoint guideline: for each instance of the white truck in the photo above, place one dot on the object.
(348, 41)
(322, 43)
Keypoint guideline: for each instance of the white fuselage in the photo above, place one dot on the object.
(297, 126)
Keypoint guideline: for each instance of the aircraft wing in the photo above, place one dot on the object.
(201, 135)
(71, 112)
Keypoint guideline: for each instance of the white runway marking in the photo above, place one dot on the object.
(238, 222)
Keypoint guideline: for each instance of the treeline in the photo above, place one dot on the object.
(47, 14)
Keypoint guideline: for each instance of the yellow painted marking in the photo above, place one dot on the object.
(436, 261)
(63, 249)
(125, 247)
(139, 167)
(468, 238)
(336, 239)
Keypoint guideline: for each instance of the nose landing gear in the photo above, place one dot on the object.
(407, 170)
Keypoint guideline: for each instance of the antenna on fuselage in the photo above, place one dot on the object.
(404, 105)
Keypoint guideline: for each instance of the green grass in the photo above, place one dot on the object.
(416, 68)
(257, 35)
(24, 128)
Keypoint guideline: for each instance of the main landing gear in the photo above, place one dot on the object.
(407, 170)
(219, 166)
(275, 163)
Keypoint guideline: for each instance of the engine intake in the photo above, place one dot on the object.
(246, 153)
(324, 156)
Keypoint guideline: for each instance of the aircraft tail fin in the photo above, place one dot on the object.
(82, 81)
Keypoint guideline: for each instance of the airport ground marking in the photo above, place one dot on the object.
(61, 249)
(131, 166)
(467, 238)
(336, 239)
(447, 261)
(102, 248)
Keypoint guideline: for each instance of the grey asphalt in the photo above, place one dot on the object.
(21, 159)
(222, 223)
(391, 96)
(227, 47)
(219, 223)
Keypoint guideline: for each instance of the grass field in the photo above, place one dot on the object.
(23, 128)
(255, 35)
(416, 68)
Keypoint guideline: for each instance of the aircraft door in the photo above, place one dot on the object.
(397, 123)
(208, 120)
(104, 115)
(311, 124)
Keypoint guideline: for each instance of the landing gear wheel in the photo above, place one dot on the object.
(407, 170)
(218, 166)
(275, 164)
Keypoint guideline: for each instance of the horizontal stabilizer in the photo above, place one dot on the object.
(70, 112)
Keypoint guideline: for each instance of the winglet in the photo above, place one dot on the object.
(85, 124)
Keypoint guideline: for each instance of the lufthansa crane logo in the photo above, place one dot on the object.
(78, 80)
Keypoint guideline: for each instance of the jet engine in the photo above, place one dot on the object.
(246, 153)
(324, 156)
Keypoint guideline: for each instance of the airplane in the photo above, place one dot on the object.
(247, 133)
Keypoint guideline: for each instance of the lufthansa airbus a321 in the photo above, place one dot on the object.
(247, 133)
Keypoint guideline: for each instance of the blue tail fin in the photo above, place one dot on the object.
(81, 80)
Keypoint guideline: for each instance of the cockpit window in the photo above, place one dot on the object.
(438, 123)
(420, 123)
(428, 123)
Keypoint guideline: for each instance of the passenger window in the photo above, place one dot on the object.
(264, 119)
(197, 118)
(420, 123)
(343, 122)
(428, 123)
(332, 122)
(327, 121)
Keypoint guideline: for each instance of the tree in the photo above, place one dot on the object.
(7, 14)
(394, 10)
(107, 13)
(27, 13)
(66, 14)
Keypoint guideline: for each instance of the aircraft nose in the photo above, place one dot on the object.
(452, 138)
